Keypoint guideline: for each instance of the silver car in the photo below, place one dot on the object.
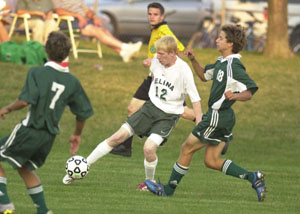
(129, 17)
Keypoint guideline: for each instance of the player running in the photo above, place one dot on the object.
(230, 83)
(172, 80)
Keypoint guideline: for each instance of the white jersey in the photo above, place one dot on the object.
(170, 85)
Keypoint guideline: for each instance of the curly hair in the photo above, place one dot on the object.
(57, 46)
(237, 35)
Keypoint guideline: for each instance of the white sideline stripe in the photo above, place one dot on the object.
(11, 137)
(213, 124)
(179, 170)
(11, 159)
(35, 190)
(226, 165)
(8, 144)
(33, 164)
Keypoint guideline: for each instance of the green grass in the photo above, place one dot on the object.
(266, 138)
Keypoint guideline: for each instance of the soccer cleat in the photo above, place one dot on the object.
(143, 187)
(7, 208)
(156, 188)
(259, 185)
(67, 179)
(49, 212)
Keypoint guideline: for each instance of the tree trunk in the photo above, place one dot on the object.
(277, 44)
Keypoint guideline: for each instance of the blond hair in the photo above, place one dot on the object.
(167, 44)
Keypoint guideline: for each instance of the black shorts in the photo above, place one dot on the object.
(142, 92)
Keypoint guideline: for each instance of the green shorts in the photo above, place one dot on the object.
(26, 147)
(150, 119)
(215, 127)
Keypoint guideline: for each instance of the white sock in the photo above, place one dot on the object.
(150, 168)
(101, 150)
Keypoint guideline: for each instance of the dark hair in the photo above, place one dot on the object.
(158, 6)
(235, 34)
(57, 46)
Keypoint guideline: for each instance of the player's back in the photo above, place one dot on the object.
(49, 91)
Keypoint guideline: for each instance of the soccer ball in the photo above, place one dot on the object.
(77, 167)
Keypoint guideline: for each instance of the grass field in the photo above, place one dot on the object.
(267, 138)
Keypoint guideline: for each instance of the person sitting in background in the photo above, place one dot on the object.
(91, 26)
(41, 21)
(4, 9)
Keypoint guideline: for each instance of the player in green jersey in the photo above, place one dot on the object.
(47, 91)
(230, 83)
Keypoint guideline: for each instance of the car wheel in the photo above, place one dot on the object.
(110, 24)
(295, 40)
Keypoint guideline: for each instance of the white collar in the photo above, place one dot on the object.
(57, 66)
(238, 56)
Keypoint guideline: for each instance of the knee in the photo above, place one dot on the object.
(148, 151)
(188, 148)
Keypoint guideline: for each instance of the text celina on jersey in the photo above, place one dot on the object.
(170, 85)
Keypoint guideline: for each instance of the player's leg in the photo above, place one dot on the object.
(138, 100)
(34, 189)
(5, 203)
(180, 168)
(135, 105)
(107, 145)
(151, 159)
(212, 160)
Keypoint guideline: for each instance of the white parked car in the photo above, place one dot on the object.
(129, 17)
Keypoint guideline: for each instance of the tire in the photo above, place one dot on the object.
(111, 25)
(295, 40)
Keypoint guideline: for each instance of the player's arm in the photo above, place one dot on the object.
(243, 96)
(197, 111)
(75, 137)
(197, 67)
(18, 104)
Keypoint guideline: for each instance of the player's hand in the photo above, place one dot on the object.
(189, 54)
(147, 62)
(74, 144)
(3, 111)
(229, 95)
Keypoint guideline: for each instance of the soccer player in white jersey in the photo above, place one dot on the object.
(230, 83)
(172, 80)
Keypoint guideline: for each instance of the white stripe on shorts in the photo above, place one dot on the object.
(213, 124)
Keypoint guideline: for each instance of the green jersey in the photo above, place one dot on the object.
(48, 90)
(228, 74)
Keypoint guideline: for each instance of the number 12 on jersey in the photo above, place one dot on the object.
(162, 94)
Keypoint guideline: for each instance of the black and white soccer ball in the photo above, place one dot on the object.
(77, 167)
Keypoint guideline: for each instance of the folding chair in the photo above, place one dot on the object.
(25, 18)
(75, 44)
